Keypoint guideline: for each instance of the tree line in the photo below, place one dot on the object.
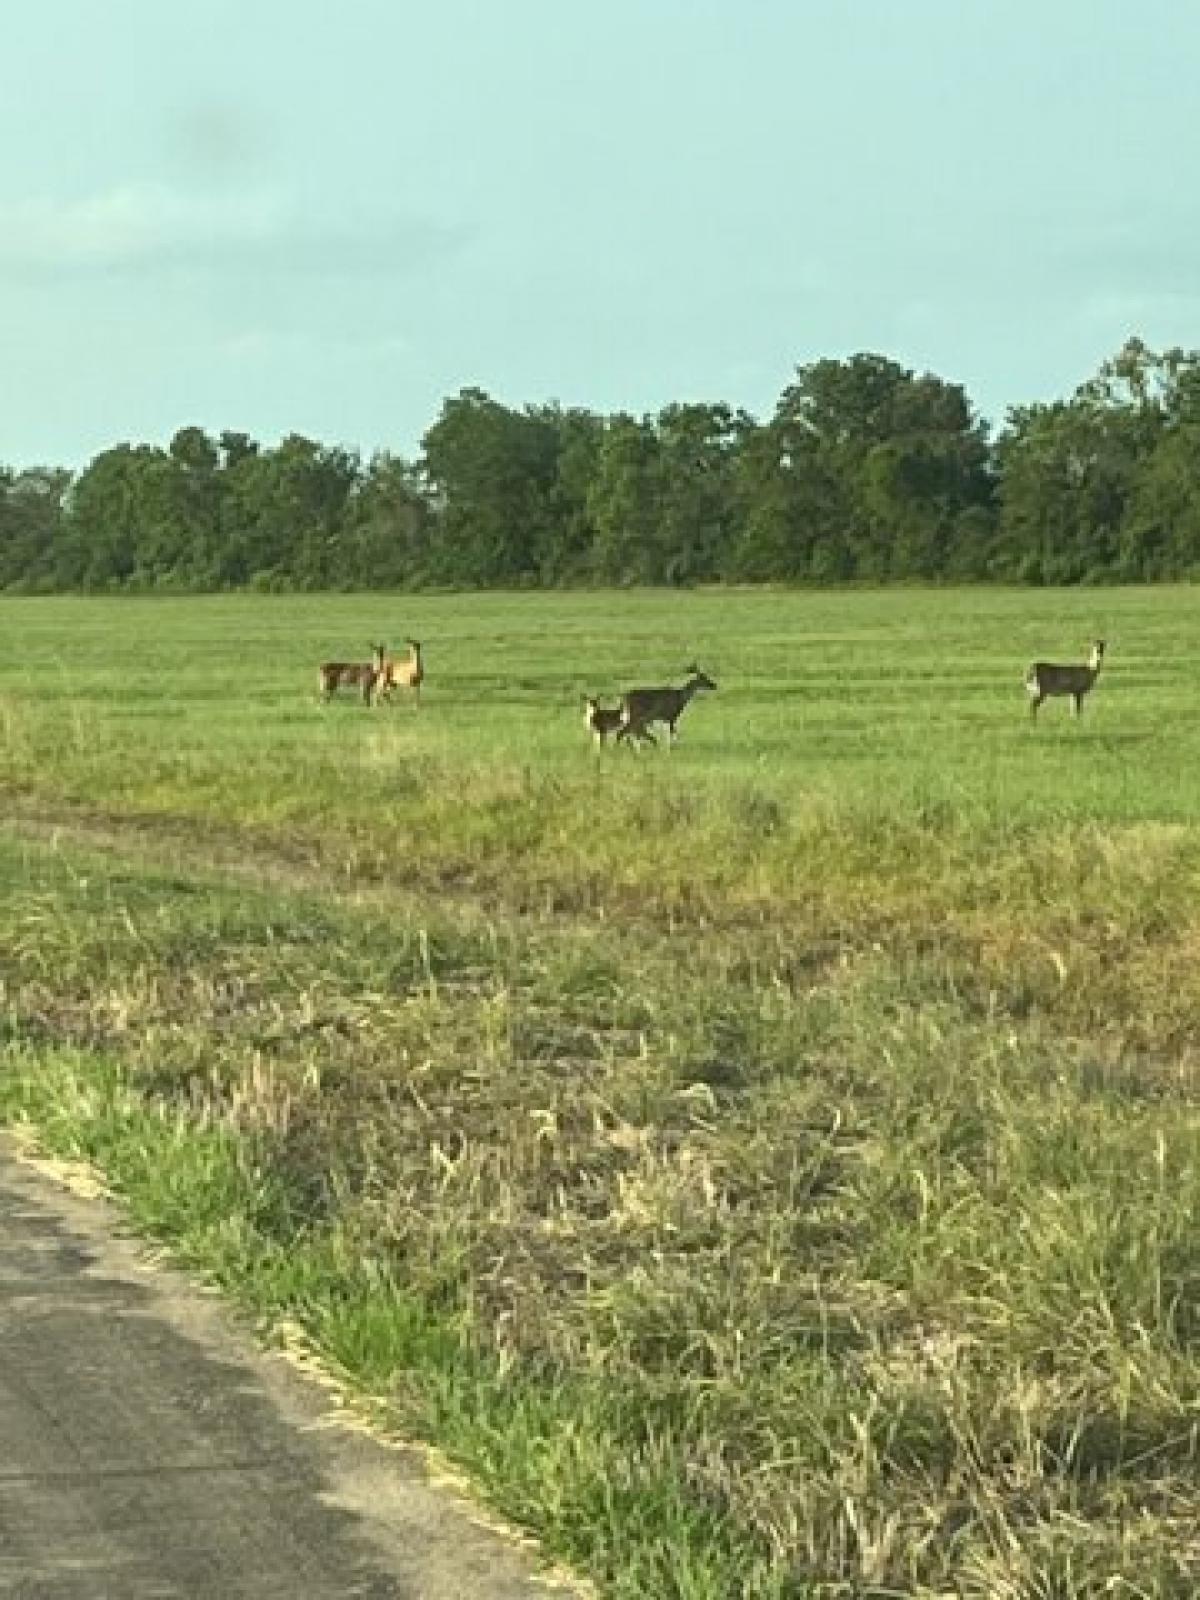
(866, 471)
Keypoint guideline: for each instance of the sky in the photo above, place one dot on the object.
(328, 216)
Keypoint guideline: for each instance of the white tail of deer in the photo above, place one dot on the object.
(1046, 679)
(361, 675)
(640, 708)
(406, 674)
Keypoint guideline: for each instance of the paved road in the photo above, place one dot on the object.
(148, 1452)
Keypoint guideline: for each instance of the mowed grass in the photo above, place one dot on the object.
(769, 1168)
(822, 695)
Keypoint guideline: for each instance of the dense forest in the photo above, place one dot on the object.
(866, 471)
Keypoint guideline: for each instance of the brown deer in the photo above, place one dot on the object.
(1045, 679)
(406, 674)
(601, 721)
(361, 675)
(642, 707)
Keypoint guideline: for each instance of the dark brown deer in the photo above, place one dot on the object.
(642, 707)
(1045, 679)
(360, 675)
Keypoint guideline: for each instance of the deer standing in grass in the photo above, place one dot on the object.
(1044, 679)
(642, 707)
(601, 721)
(361, 675)
(406, 674)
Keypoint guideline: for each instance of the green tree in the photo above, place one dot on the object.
(1100, 486)
(623, 504)
(181, 538)
(865, 470)
(30, 517)
(697, 489)
(387, 539)
(492, 473)
(790, 515)
(287, 510)
(112, 524)
(1066, 474)
(878, 472)
(566, 533)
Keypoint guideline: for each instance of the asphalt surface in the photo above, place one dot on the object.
(149, 1452)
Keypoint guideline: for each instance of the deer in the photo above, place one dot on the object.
(1045, 679)
(641, 707)
(361, 675)
(601, 721)
(406, 674)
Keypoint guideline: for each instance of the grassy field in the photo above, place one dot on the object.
(769, 1168)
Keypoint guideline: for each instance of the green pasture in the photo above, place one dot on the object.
(908, 695)
(768, 1168)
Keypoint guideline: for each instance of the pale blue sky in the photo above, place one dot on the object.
(291, 215)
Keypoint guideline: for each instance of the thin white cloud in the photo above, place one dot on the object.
(1161, 317)
(256, 346)
(129, 231)
(124, 227)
